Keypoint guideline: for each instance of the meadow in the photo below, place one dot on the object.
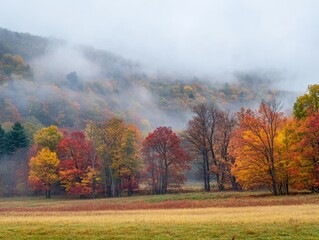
(216, 215)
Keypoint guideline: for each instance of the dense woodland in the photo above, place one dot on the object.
(97, 130)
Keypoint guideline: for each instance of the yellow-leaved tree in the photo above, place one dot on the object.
(44, 171)
(257, 151)
(48, 137)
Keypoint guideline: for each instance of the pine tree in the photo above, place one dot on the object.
(16, 138)
(19, 135)
(2, 142)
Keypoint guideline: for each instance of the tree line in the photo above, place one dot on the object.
(250, 149)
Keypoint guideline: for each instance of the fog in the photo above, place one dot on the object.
(197, 37)
(91, 90)
(63, 60)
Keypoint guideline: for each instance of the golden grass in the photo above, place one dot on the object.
(268, 214)
(177, 216)
(263, 222)
(169, 201)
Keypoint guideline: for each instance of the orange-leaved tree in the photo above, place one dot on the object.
(256, 148)
(306, 161)
(306, 154)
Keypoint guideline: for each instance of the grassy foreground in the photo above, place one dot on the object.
(34, 218)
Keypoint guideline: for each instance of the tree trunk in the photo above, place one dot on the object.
(93, 176)
(48, 193)
(165, 180)
(207, 172)
(93, 187)
(112, 183)
(109, 183)
(130, 186)
(119, 187)
(234, 184)
(221, 181)
(12, 183)
(273, 178)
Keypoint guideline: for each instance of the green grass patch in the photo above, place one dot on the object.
(160, 231)
(195, 196)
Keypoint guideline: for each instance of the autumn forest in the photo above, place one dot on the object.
(72, 135)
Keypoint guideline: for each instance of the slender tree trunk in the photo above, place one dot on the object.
(93, 176)
(109, 182)
(112, 183)
(119, 191)
(164, 184)
(93, 187)
(207, 172)
(12, 181)
(153, 182)
(160, 184)
(233, 181)
(49, 191)
(106, 184)
(130, 186)
(166, 179)
(221, 181)
(218, 180)
(273, 177)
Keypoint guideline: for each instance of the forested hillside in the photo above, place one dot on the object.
(80, 121)
(45, 81)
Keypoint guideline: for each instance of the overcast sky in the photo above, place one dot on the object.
(199, 36)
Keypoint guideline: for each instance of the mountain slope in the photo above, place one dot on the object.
(48, 81)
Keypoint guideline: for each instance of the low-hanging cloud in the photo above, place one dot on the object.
(49, 95)
(199, 37)
(62, 59)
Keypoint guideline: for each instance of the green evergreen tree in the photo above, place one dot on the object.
(16, 138)
(2, 142)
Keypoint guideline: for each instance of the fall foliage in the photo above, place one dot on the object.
(307, 103)
(165, 159)
(48, 137)
(117, 145)
(249, 150)
(44, 171)
(208, 136)
(76, 170)
(303, 151)
(256, 151)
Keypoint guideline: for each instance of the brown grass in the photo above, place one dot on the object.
(190, 216)
(274, 214)
(43, 205)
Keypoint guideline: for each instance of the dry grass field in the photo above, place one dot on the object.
(181, 216)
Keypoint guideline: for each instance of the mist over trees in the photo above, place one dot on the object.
(56, 83)
(79, 121)
(252, 149)
(13, 158)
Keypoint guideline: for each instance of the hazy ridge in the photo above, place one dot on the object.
(67, 85)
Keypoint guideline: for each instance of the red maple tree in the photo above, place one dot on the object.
(76, 171)
(165, 160)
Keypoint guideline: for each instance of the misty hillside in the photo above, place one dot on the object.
(46, 81)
